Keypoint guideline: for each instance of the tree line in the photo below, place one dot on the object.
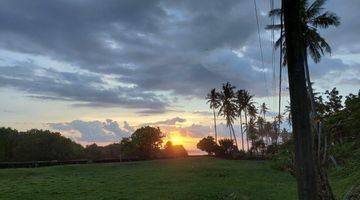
(44, 145)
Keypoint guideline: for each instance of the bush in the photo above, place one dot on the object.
(173, 151)
(283, 158)
(208, 145)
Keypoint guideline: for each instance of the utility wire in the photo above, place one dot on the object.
(260, 45)
(281, 57)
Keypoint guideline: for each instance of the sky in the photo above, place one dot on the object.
(97, 70)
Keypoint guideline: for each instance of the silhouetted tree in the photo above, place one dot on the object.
(247, 104)
(240, 96)
(173, 151)
(263, 110)
(226, 148)
(213, 98)
(207, 144)
(147, 141)
(37, 145)
(228, 107)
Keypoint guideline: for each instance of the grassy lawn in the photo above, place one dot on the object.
(191, 178)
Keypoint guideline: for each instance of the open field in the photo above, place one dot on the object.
(190, 178)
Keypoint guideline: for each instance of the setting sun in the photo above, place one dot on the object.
(177, 140)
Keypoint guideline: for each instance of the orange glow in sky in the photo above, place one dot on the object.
(176, 138)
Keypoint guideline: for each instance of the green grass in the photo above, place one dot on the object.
(191, 178)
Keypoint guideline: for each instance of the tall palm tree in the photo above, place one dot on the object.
(263, 110)
(213, 98)
(260, 123)
(252, 113)
(313, 18)
(240, 95)
(278, 120)
(228, 108)
(247, 103)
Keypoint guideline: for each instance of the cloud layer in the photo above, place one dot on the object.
(144, 54)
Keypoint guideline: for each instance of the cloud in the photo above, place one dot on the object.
(169, 122)
(93, 131)
(84, 88)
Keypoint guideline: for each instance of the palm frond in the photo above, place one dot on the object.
(317, 45)
(314, 52)
(278, 42)
(275, 12)
(273, 27)
(315, 8)
(325, 20)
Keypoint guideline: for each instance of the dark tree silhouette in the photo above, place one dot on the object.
(240, 96)
(213, 98)
(228, 108)
(247, 103)
(263, 110)
(311, 17)
(295, 57)
(207, 144)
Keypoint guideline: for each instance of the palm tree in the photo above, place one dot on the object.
(252, 113)
(247, 103)
(240, 95)
(260, 123)
(213, 98)
(278, 120)
(306, 27)
(228, 108)
(263, 109)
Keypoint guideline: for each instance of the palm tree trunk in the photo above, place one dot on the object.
(324, 184)
(242, 133)
(313, 108)
(304, 157)
(232, 128)
(246, 128)
(230, 133)
(215, 126)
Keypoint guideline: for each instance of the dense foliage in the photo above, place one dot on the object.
(340, 139)
(44, 145)
(36, 145)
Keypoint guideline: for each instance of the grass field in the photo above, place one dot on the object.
(191, 178)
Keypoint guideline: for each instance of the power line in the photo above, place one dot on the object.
(281, 57)
(260, 45)
(273, 88)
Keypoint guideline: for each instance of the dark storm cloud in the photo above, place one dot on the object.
(181, 47)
